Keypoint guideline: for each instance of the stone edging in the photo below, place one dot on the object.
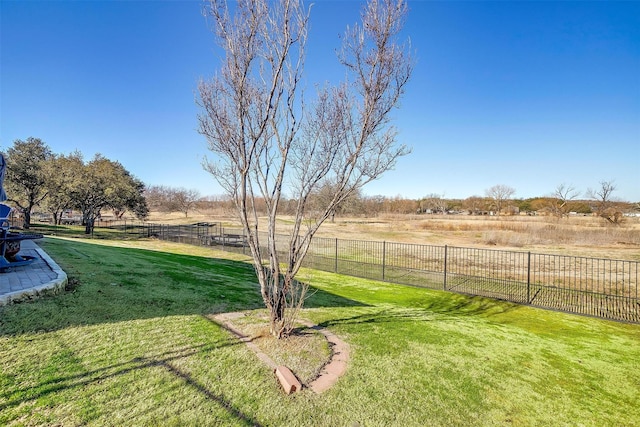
(337, 364)
(60, 282)
(329, 373)
(54, 286)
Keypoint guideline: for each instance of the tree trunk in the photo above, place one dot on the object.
(276, 302)
(27, 218)
(88, 226)
(278, 305)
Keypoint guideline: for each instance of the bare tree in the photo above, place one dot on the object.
(372, 205)
(562, 195)
(184, 200)
(266, 139)
(499, 195)
(605, 206)
(476, 205)
(169, 199)
(434, 203)
(158, 198)
(321, 197)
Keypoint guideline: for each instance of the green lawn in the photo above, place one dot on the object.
(129, 344)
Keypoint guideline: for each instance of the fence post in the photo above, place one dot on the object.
(384, 256)
(335, 264)
(528, 277)
(444, 282)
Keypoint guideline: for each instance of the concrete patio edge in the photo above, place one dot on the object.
(53, 286)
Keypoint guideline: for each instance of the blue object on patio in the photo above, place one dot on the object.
(10, 243)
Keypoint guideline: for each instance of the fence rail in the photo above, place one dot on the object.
(605, 288)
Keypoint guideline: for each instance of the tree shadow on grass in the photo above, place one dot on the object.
(16, 397)
(439, 306)
(110, 284)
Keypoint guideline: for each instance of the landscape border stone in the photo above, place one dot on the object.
(330, 372)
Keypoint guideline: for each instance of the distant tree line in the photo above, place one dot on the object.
(166, 199)
(563, 201)
(498, 200)
(498, 204)
(57, 183)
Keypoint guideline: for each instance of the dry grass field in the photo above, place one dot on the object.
(577, 235)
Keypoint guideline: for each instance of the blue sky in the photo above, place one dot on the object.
(525, 94)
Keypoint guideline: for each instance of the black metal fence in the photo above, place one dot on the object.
(605, 288)
(598, 287)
